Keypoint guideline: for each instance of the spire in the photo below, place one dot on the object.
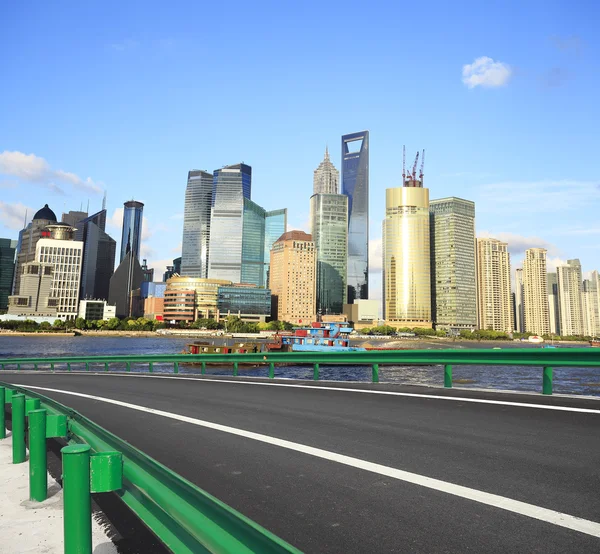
(326, 152)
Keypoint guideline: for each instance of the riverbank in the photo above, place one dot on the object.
(62, 334)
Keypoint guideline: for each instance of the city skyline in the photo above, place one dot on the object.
(531, 176)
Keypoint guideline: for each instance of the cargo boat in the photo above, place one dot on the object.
(595, 343)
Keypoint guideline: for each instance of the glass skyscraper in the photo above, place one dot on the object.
(453, 271)
(355, 185)
(329, 230)
(253, 244)
(196, 224)
(131, 237)
(231, 185)
(275, 226)
(8, 248)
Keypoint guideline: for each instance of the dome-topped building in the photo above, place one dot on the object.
(46, 214)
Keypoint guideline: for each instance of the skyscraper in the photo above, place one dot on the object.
(8, 248)
(569, 295)
(231, 185)
(406, 257)
(453, 273)
(99, 250)
(275, 226)
(355, 185)
(329, 229)
(519, 301)
(535, 290)
(28, 238)
(293, 278)
(131, 236)
(196, 224)
(327, 178)
(553, 304)
(493, 286)
(591, 305)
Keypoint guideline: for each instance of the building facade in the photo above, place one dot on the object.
(569, 280)
(126, 278)
(34, 298)
(453, 268)
(196, 224)
(329, 230)
(362, 313)
(590, 303)
(131, 237)
(406, 258)
(249, 303)
(191, 298)
(553, 304)
(231, 186)
(519, 302)
(535, 290)
(355, 185)
(8, 250)
(326, 179)
(493, 286)
(293, 278)
(93, 310)
(28, 238)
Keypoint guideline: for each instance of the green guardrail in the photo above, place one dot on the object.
(183, 516)
(547, 359)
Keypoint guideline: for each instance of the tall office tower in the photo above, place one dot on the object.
(231, 185)
(57, 247)
(293, 278)
(8, 248)
(355, 185)
(196, 224)
(275, 226)
(590, 306)
(553, 304)
(147, 272)
(28, 238)
(34, 299)
(327, 178)
(406, 257)
(535, 290)
(131, 236)
(453, 273)
(99, 251)
(569, 295)
(72, 218)
(519, 303)
(329, 230)
(126, 278)
(493, 286)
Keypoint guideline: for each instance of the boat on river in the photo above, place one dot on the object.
(595, 343)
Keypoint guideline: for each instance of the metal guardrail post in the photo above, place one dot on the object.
(31, 404)
(316, 372)
(18, 428)
(448, 376)
(38, 476)
(52, 366)
(271, 370)
(203, 370)
(77, 499)
(87, 366)
(150, 367)
(105, 366)
(68, 366)
(18, 367)
(35, 366)
(547, 380)
(235, 369)
(2, 415)
(128, 366)
(175, 367)
(375, 373)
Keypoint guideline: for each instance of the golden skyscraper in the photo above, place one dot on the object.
(406, 256)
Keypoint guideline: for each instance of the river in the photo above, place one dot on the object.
(572, 380)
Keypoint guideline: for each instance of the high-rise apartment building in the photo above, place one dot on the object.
(535, 290)
(355, 185)
(553, 304)
(99, 251)
(519, 302)
(327, 178)
(231, 186)
(406, 257)
(28, 238)
(293, 278)
(569, 295)
(65, 255)
(131, 237)
(453, 273)
(493, 285)
(196, 224)
(329, 230)
(590, 303)
(8, 248)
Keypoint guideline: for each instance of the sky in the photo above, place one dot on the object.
(127, 97)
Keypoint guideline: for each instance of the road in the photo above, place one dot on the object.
(332, 468)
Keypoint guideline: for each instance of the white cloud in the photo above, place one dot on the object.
(33, 169)
(12, 216)
(517, 244)
(553, 262)
(486, 72)
(116, 220)
(375, 254)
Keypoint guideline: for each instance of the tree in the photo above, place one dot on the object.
(113, 323)
(45, 326)
(80, 323)
(58, 324)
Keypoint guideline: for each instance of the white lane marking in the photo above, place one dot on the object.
(516, 506)
(364, 391)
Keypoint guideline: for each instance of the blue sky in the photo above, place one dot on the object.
(128, 96)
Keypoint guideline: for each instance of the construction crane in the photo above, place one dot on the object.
(403, 164)
(414, 169)
(422, 165)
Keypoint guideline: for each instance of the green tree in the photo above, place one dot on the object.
(58, 324)
(80, 323)
(45, 326)
(113, 323)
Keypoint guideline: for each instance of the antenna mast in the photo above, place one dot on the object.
(403, 164)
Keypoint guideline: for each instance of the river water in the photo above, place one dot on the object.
(571, 380)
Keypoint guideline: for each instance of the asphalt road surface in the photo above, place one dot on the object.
(342, 471)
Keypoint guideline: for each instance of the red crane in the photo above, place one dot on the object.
(422, 165)
(403, 164)
(414, 169)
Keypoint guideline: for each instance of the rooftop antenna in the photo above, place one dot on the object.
(403, 164)
(104, 201)
(25, 219)
(88, 207)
